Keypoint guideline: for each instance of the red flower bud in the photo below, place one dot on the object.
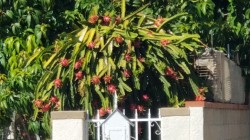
(141, 59)
(108, 110)
(200, 98)
(140, 108)
(159, 21)
(38, 103)
(54, 99)
(111, 88)
(119, 39)
(164, 42)
(118, 19)
(127, 57)
(58, 83)
(46, 107)
(95, 80)
(79, 75)
(106, 19)
(91, 45)
(102, 112)
(126, 73)
(78, 64)
(170, 72)
(145, 97)
(93, 19)
(64, 62)
(107, 78)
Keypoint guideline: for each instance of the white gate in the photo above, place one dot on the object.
(151, 126)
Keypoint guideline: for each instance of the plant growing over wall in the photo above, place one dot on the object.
(27, 27)
(141, 47)
(37, 23)
(131, 54)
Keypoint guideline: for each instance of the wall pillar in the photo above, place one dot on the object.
(69, 125)
(175, 124)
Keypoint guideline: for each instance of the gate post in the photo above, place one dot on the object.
(69, 125)
(175, 124)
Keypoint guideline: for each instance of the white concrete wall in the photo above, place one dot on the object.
(175, 128)
(69, 125)
(205, 124)
(226, 124)
(67, 129)
(175, 124)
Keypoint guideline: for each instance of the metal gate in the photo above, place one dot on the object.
(144, 128)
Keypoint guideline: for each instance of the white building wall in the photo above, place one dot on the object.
(205, 124)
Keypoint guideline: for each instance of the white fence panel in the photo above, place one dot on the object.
(150, 122)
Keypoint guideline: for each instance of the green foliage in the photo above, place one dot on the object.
(36, 35)
(136, 51)
(27, 27)
(219, 23)
(30, 53)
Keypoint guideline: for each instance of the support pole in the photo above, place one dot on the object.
(115, 101)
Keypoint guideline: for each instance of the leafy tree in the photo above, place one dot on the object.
(27, 27)
(130, 54)
(44, 40)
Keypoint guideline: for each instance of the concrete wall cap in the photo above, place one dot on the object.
(56, 115)
(183, 111)
(216, 105)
